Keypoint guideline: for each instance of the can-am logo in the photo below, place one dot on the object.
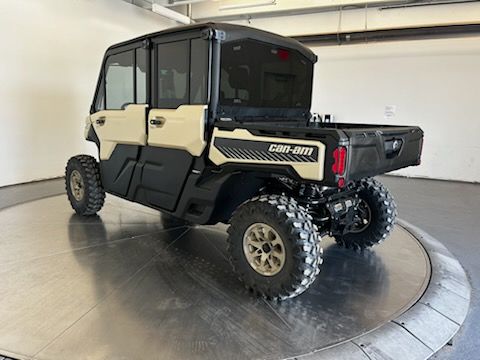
(290, 149)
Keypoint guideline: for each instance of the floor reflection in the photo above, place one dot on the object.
(123, 286)
(182, 298)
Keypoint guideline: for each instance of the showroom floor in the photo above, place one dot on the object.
(66, 277)
(447, 210)
(450, 212)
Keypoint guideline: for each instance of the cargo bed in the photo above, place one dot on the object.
(371, 149)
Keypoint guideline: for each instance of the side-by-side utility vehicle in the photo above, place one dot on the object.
(211, 123)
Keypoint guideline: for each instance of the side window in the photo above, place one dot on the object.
(199, 71)
(119, 80)
(172, 70)
(141, 75)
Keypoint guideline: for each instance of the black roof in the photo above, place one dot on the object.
(232, 32)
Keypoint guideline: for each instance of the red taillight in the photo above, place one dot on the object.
(339, 165)
(283, 54)
(340, 160)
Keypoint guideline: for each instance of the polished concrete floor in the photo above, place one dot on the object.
(120, 286)
(450, 212)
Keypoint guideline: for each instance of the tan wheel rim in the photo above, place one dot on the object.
(264, 249)
(76, 185)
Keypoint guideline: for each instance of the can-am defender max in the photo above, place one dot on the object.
(211, 123)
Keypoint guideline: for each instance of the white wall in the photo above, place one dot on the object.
(433, 83)
(331, 21)
(51, 52)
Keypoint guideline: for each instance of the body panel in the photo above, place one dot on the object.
(306, 168)
(120, 127)
(152, 176)
(159, 177)
(182, 128)
(116, 172)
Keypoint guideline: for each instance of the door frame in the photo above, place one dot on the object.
(169, 38)
(101, 81)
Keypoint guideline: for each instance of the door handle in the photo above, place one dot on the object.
(101, 121)
(158, 121)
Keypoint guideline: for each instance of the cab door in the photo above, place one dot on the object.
(119, 119)
(177, 120)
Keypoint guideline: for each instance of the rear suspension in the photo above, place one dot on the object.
(333, 210)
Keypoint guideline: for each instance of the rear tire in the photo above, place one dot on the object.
(380, 206)
(274, 247)
(83, 185)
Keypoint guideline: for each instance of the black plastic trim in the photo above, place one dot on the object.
(92, 136)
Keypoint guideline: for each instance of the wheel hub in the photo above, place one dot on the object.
(76, 185)
(363, 217)
(264, 249)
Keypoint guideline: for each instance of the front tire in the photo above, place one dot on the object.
(274, 247)
(83, 185)
(377, 212)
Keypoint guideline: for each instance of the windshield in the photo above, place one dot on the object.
(257, 74)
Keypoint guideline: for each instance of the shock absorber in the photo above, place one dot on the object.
(309, 196)
(312, 199)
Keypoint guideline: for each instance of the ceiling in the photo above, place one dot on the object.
(203, 10)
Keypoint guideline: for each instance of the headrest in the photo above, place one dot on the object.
(238, 78)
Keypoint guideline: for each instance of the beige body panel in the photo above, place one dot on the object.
(119, 127)
(88, 125)
(306, 170)
(182, 128)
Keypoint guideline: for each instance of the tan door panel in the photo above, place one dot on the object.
(119, 127)
(182, 128)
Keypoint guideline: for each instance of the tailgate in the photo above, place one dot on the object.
(380, 149)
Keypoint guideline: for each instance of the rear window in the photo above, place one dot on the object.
(258, 74)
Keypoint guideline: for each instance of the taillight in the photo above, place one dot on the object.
(340, 160)
(283, 54)
(340, 164)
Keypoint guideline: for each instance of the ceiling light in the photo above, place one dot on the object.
(171, 14)
(182, 2)
(247, 5)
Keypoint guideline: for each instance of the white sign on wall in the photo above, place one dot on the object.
(390, 111)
